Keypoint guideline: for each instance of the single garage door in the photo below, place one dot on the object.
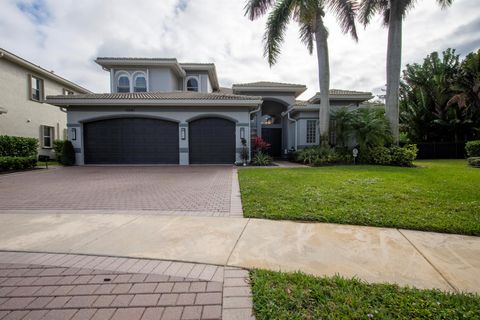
(212, 141)
(131, 141)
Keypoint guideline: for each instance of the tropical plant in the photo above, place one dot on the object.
(310, 15)
(393, 12)
(343, 120)
(473, 148)
(261, 159)
(433, 107)
(371, 128)
(317, 155)
(260, 145)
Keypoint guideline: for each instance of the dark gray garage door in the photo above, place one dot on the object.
(131, 141)
(212, 141)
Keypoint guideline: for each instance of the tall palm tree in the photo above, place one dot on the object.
(309, 14)
(393, 12)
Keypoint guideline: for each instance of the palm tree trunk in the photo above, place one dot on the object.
(394, 60)
(321, 35)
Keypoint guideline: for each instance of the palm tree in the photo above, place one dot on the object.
(309, 14)
(393, 12)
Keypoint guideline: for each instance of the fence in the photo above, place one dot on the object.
(441, 150)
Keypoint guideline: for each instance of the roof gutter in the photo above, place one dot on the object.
(296, 125)
(153, 102)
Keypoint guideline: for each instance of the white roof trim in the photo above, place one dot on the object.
(295, 89)
(108, 63)
(157, 102)
(210, 68)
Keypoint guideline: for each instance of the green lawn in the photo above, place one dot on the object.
(299, 296)
(50, 163)
(439, 195)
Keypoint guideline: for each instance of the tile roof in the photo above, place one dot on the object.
(342, 92)
(267, 84)
(176, 95)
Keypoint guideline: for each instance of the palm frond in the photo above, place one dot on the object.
(277, 24)
(346, 11)
(307, 31)
(367, 9)
(445, 3)
(257, 8)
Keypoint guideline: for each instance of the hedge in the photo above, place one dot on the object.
(17, 163)
(18, 146)
(474, 162)
(473, 148)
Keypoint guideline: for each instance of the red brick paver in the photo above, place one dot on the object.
(163, 190)
(52, 286)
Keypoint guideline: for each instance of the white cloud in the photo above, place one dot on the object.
(216, 31)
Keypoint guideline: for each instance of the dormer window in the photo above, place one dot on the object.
(192, 84)
(123, 84)
(140, 83)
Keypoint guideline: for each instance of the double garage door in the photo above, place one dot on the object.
(155, 141)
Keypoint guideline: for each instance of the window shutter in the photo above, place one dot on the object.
(41, 136)
(52, 136)
(29, 82)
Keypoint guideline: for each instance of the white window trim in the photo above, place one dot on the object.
(68, 92)
(306, 131)
(40, 88)
(51, 135)
(137, 74)
(198, 83)
(120, 74)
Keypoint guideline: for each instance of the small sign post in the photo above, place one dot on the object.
(355, 155)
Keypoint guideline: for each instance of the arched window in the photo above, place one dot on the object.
(270, 119)
(123, 84)
(192, 84)
(140, 83)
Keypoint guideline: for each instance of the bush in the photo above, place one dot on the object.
(17, 163)
(474, 162)
(68, 154)
(473, 148)
(18, 146)
(261, 159)
(317, 156)
(58, 148)
(404, 156)
(379, 155)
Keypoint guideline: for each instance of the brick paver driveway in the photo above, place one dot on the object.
(167, 190)
(79, 287)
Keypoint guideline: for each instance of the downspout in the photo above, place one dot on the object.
(295, 132)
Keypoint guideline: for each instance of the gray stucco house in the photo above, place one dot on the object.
(161, 111)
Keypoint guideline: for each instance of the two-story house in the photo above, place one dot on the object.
(161, 111)
(23, 110)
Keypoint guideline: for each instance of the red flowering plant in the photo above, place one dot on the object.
(260, 145)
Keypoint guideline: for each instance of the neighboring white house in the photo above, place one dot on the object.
(165, 112)
(23, 110)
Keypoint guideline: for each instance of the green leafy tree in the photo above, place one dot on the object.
(371, 128)
(310, 15)
(393, 12)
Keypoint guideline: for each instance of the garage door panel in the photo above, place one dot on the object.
(131, 141)
(212, 141)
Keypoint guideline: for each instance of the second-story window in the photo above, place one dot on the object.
(123, 84)
(192, 84)
(36, 88)
(140, 84)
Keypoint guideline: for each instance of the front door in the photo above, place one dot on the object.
(273, 136)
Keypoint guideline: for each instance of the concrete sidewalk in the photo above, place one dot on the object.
(420, 259)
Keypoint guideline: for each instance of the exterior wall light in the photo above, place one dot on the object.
(183, 133)
(74, 134)
(242, 133)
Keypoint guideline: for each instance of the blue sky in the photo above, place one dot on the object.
(67, 35)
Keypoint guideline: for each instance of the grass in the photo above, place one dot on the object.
(439, 195)
(298, 296)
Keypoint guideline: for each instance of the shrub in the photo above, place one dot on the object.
(260, 145)
(18, 146)
(68, 153)
(474, 162)
(404, 156)
(317, 156)
(261, 159)
(58, 148)
(379, 155)
(17, 163)
(473, 148)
